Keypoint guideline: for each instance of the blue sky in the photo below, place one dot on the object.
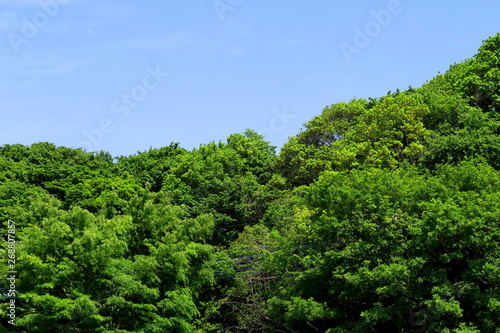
(123, 76)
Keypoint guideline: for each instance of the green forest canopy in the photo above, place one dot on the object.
(381, 215)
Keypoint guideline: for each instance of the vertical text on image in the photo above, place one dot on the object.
(11, 273)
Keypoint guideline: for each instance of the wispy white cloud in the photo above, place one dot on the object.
(30, 68)
(18, 3)
(53, 65)
(100, 17)
(34, 3)
(293, 41)
(113, 11)
(174, 40)
(60, 67)
(237, 27)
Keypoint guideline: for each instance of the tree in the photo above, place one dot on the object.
(152, 166)
(226, 180)
(380, 133)
(480, 76)
(141, 270)
(396, 251)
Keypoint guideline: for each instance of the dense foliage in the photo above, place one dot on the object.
(381, 215)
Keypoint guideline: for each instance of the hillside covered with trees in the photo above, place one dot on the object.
(380, 215)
